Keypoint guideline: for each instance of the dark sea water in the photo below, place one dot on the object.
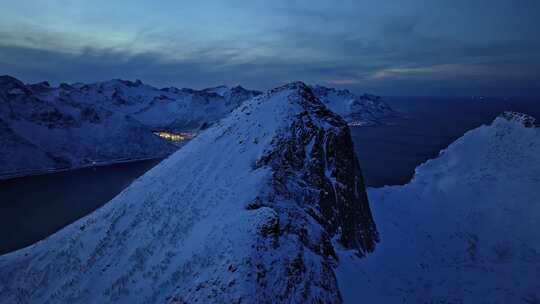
(389, 154)
(31, 208)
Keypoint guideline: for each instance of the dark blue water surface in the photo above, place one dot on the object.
(31, 208)
(389, 154)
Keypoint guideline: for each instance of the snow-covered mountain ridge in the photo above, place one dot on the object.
(167, 108)
(247, 212)
(466, 229)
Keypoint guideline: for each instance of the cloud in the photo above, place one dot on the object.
(440, 47)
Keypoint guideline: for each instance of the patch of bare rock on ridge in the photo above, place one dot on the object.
(526, 120)
(247, 212)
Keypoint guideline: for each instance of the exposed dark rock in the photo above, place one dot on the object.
(66, 87)
(527, 120)
(90, 115)
(316, 166)
(53, 119)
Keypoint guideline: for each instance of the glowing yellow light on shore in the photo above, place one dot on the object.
(175, 136)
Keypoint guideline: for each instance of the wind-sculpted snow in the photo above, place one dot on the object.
(466, 229)
(247, 212)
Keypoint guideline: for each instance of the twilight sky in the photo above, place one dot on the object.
(394, 47)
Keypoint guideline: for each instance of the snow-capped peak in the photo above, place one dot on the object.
(220, 90)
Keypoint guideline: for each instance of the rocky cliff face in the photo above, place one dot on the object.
(316, 162)
(247, 212)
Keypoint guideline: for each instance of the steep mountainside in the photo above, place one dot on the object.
(43, 129)
(466, 229)
(250, 211)
(16, 153)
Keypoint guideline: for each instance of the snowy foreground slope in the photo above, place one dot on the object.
(466, 229)
(247, 212)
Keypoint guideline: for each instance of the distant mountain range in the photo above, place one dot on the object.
(73, 125)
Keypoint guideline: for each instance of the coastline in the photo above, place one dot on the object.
(26, 173)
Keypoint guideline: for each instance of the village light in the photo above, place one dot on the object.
(174, 136)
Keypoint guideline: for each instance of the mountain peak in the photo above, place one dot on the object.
(12, 86)
(9, 80)
(122, 82)
(319, 128)
(42, 84)
(294, 85)
(245, 212)
(239, 87)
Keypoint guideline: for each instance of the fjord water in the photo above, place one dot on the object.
(31, 208)
(34, 207)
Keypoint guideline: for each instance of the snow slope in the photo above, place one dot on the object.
(42, 129)
(466, 229)
(364, 110)
(244, 213)
(16, 153)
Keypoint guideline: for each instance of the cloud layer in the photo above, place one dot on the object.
(412, 47)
